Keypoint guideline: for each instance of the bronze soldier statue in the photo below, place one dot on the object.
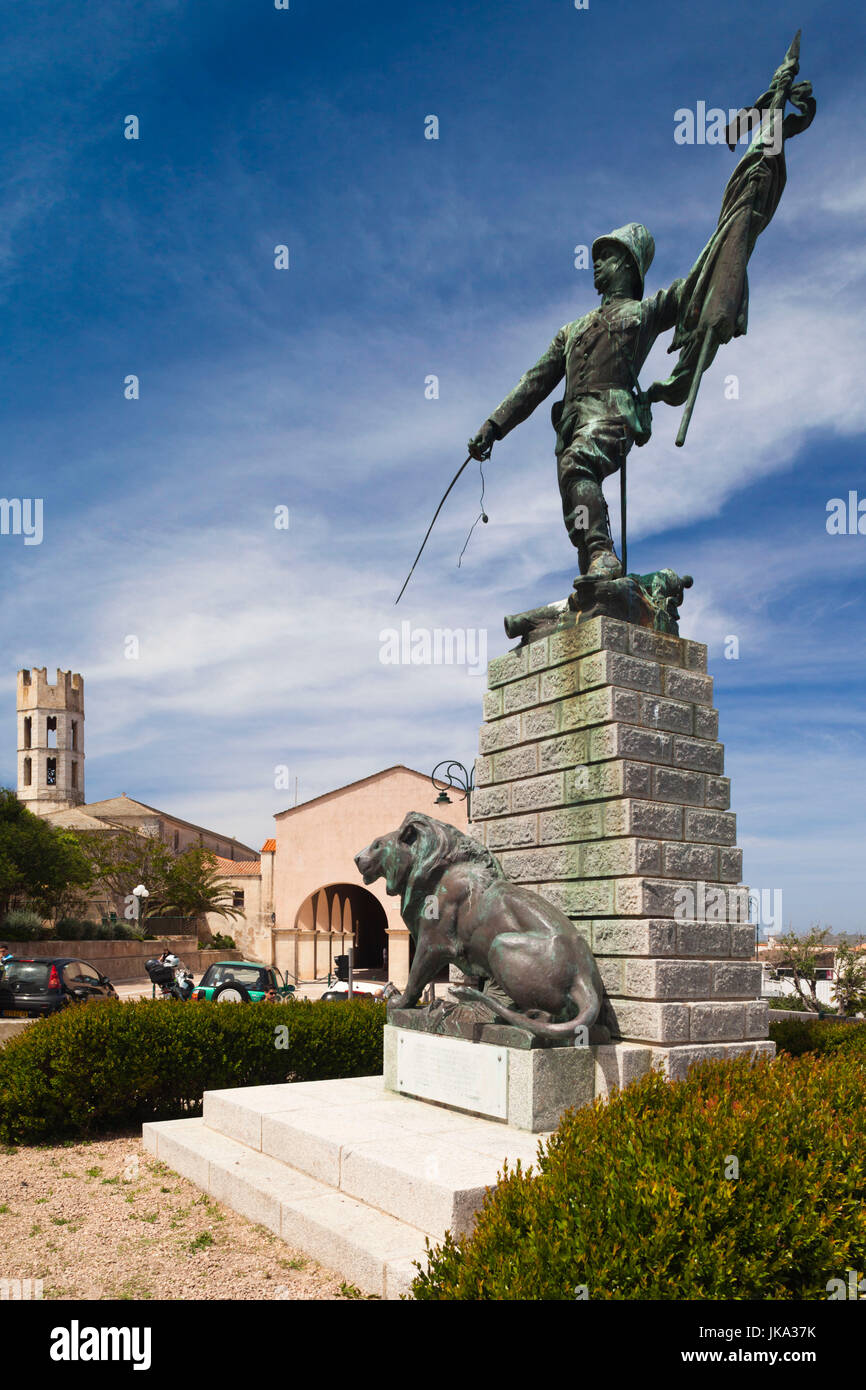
(603, 411)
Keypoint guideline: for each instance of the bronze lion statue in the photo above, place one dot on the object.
(461, 910)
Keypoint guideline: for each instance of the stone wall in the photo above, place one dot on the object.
(123, 961)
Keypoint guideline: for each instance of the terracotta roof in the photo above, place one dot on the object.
(269, 847)
(238, 868)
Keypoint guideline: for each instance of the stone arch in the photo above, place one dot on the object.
(350, 915)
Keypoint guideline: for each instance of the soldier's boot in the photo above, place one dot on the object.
(588, 525)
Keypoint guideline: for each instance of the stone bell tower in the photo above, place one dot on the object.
(50, 740)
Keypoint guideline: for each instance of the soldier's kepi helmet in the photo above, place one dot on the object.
(636, 240)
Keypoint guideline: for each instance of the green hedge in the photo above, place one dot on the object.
(631, 1199)
(111, 1065)
(796, 1036)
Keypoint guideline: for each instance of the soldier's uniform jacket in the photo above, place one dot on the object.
(600, 356)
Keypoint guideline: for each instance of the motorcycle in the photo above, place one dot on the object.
(172, 978)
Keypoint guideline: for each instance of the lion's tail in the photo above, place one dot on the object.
(587, 1015)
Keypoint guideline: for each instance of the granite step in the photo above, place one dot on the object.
(356, 1176)
(396, 1153)
(368, 1248)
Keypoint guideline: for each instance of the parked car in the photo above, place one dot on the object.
(32, 988)
(241, 982)
(366, 989)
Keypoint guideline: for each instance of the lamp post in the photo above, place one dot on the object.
(456, 778)
(139, 893)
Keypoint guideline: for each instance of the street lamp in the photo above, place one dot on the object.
(139, 893)
(457, 779)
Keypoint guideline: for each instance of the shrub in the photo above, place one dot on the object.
(795, 1037)
(792, 1002)
(218, 942)
(631, 1197)
(22, 924)
(126, 931)
(76, 929)
(111, 1065)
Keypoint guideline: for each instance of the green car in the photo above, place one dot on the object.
(242, 982)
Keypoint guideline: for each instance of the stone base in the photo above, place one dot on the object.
(531, 1088)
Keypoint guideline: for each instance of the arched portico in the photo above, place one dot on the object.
(333, 919)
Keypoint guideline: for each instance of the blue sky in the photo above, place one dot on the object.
(259, 388)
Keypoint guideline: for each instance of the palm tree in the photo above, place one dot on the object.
(194, 887)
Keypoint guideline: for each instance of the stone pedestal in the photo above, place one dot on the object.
(601, 785)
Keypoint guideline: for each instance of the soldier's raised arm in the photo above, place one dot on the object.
(519, 404)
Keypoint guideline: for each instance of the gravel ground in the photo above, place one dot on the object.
(104, 1219)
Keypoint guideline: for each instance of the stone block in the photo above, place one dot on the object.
(582, 898)
(666, 979)
(537, 865)
(652, 897)
(587, 637)
(675, 1062)
(492, 703)
(737, 979)
(539, 654)
(730, 865)
(703, 938)
(510, 667)
(670, 715)
(689, 860)
(698, 755)
(521, 694)
(515, 763)
(687, 685)
(711, 827)
(491, 801)
(538, 793)
(655, 646)
(612, 858)
(706, 722)
(560, 682)
(642, 1021)
(716, 1022)
(742, 939)
(630, 741)
(694, 656)
(566, 751)
(652, 819)
(483, 771)
(544, 1083)
(570, 824)
(611, 969)
(601, 706)
(673, 784)
(511, 833)
(718, 793)
(642, 938)
(615, 668)
(618, 1064)
(757, 1019)
(502, 733)
(540, 722)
